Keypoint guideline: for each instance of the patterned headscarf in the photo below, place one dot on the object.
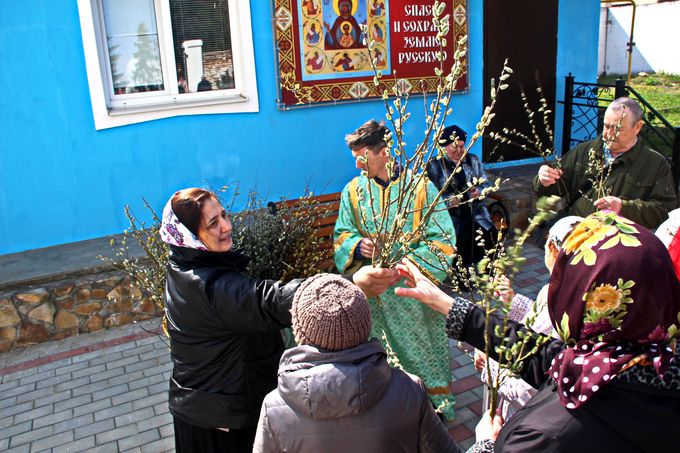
(615, 301)
(174, 232)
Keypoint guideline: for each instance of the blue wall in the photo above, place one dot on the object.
(63, 181)
(577, 50)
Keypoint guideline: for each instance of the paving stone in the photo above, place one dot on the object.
(477, 407)
(4, 444)
(167, 430)
(74, 422)
(471, 424)
(465, 384)
(87, 388)
(138, 351)
(78, 445)
(94, 406)
(7, 402)
(34, 413)
(163, 353)
(111, 447)
(150, 400)
(16, 429)
(70, 368)
(108, 356)
(113, 411)
(132, 450)
(165, 444)
(115, 434)
(460, 433)
(52, 418)
(53, 398)
(86, 357)
(52, 441)
(160, 369)
(110, 392)
(94, 429)
(133, 416)
(55, 381)
(146, 382)
(36, 377)
(139, 439)
(34, 394)
(9, 377)
(155, 422)
(464, 371)
(107, 374)
(464, 414)
(9, 384)
(143, 365)
(148, 340)
(20, 390)
(89, 371)
(121, 347)
(122, 362)
(5, 423)
(72, 402)
(129, 396)
(16, 409)
(54, 365)
(159, 387)
(466, 398)
(125, 377)
(162, 343)
(72, 383)
(161, 408)
(25, 448)
(479, 391)
(31, 436)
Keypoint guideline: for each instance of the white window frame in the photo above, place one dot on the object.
(119, 110)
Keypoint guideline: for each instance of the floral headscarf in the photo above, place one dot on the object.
(174, 232)
(615, 301)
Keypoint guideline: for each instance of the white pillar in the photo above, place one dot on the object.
(193, 50)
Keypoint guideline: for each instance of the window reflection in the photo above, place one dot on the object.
(132, 39)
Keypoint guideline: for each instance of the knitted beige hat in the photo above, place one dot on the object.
(331, 313)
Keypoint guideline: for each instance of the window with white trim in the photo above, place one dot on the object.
(149, 59)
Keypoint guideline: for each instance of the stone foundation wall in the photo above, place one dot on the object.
(60, 309)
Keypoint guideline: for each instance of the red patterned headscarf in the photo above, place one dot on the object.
(615, 301)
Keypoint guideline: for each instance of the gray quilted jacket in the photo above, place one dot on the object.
(348, 401)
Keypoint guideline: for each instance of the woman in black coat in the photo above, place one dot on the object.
(612, 383)
(224, 327)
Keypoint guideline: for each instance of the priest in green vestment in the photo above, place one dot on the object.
(414, 332)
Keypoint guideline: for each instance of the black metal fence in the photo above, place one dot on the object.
(584, 106)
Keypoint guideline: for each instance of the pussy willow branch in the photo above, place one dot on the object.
(407, 186)
(598, 168)
(497, 262)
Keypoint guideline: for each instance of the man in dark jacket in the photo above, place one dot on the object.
(615, 172)
(336, 391)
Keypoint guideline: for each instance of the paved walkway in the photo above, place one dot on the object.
(107, 391)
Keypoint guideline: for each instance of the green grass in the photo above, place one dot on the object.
(661, 90)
